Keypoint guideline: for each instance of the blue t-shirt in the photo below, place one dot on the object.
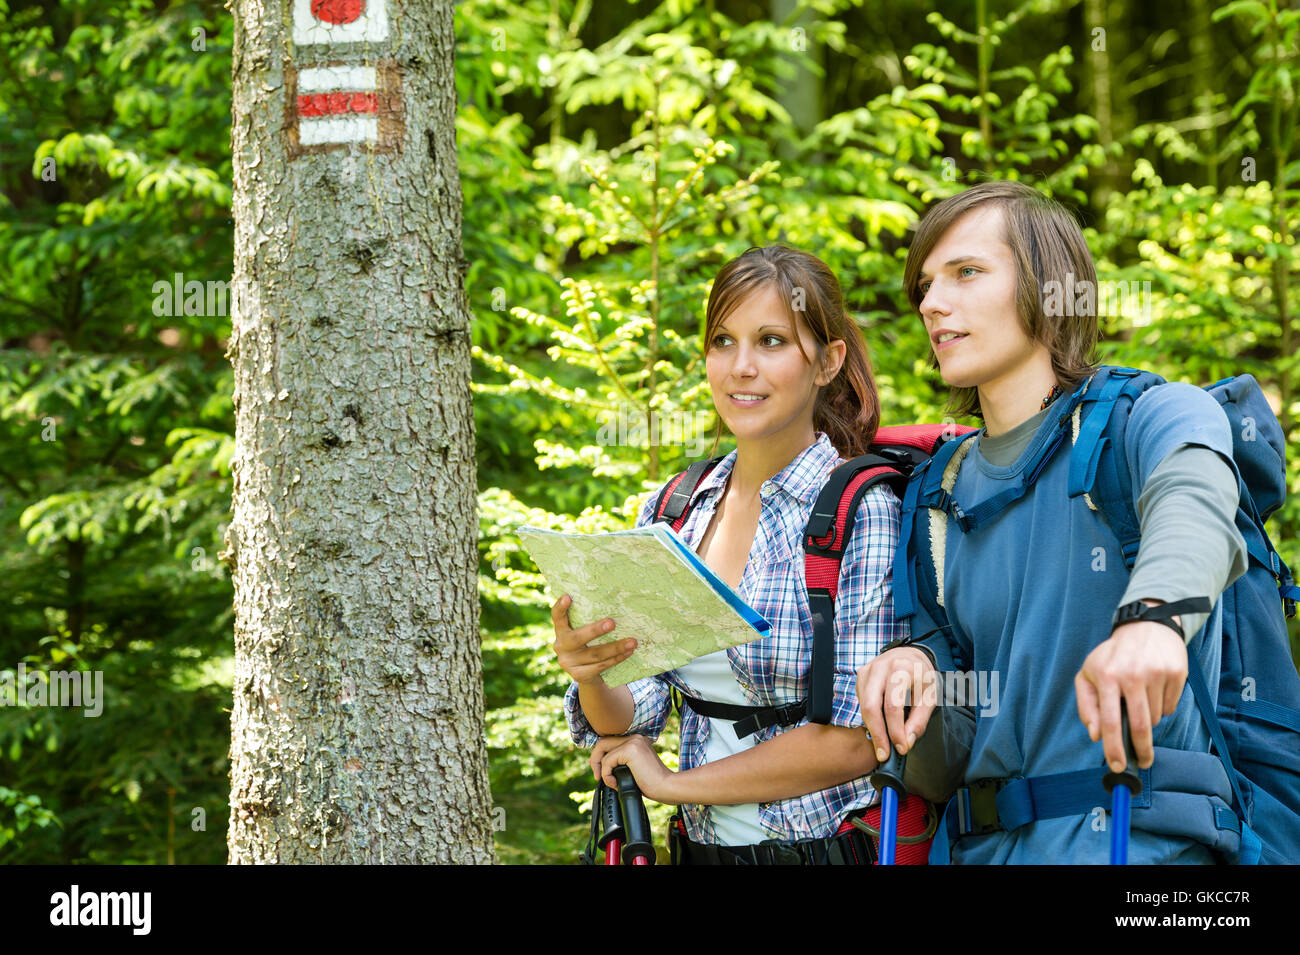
(1030, 594)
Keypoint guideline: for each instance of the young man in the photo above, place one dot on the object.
(1031, 595)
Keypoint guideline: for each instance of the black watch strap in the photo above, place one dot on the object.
(1161, 613)
(913, 641)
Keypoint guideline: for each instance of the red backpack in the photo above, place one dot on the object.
(893, 455)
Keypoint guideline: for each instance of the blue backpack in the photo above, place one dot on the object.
(1254, 719)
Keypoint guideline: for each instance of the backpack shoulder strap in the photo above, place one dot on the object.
(828, 532)
(929, 489)
(1099, 460)
(979, 514)
(675, 498)
(893, 455)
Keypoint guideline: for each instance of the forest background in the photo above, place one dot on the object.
(613, 156)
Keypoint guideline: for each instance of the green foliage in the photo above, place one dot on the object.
(19, 812)
(1008, 120)
(117, 427)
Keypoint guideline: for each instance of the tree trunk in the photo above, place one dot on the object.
(1205, 77)
(801, 95)
(357, 727)
(1099, 73)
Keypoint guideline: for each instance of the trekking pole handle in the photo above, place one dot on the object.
(638, 849)
(1129, 776)
(610, 815)
(890, 772)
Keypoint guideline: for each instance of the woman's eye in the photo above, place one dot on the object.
(968, 268)
(775, 340)
(924, 287)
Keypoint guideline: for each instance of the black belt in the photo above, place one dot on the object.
(847, 848)
(748, 720)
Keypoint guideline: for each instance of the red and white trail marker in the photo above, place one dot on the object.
(339, 21)
(339, 105)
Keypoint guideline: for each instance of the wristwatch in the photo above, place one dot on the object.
(912, 641)
(1161, 613)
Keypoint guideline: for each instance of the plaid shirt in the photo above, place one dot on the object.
(774, 670)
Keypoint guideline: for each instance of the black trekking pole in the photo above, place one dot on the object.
(606, 827)
(638, 849)
(1122, 786)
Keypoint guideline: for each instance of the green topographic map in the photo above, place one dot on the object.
(653, 588)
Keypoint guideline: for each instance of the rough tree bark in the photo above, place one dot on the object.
(357, 726)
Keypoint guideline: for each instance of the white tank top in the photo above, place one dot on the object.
(710, 678)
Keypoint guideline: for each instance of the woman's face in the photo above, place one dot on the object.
(753, 352)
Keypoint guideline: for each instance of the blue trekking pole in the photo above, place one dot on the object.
(888, 780)
(1122, 786)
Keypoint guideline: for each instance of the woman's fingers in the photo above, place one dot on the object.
(560, 610)
(602, 653)
(568, 638)
(576, 654)
(580, 638)
(615, 757)
(598, 751)
(604, 746)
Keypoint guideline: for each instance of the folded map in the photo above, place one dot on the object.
(654, 589)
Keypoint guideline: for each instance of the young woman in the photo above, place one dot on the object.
(791, 380)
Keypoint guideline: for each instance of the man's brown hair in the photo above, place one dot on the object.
(1048, 246)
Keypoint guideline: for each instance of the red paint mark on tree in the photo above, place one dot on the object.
(337, 11)
(330, 104)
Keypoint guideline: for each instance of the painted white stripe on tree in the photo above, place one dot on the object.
(313, 131)
(325, 79)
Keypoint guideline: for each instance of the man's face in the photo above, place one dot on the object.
(969, 306)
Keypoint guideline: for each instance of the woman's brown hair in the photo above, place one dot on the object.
(1048, 247)
(847, 408)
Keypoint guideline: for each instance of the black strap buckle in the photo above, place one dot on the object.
(780, 853)
(948, 504)
(981, 797)
(786, 715)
